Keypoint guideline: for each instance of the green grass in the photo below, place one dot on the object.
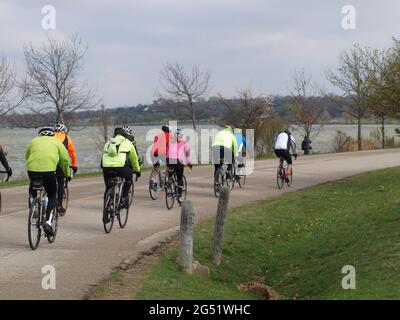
(299, 241)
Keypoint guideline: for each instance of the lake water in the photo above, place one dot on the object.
(14, 142)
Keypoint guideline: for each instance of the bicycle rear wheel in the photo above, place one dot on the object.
(170, 188)
(109, 208)
(54, 224)
(155, 184)
(218, 182)
(280, 178)
(34, 229)
(65, 200)
(184, 191)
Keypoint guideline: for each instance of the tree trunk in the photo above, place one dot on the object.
(359, 138)
(383, 132)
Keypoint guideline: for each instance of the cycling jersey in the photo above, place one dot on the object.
(69, 145)
(117, 151)
(226, 139)
(44, 153)
(285, 142)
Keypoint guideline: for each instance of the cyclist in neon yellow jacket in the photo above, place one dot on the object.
(42, 156)
(118, 153)
(225, 147)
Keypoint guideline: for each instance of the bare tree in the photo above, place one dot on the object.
(353, 78)
(103, 123)
(183, 88)
(305, 106)
(9, 98)
(248, 111)
(52, 84)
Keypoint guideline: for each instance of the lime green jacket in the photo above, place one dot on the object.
(125, 149)
(43, 154)
(225, 138)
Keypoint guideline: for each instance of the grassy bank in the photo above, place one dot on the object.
(299, 242)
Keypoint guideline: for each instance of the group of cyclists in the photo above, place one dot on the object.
(51, 157)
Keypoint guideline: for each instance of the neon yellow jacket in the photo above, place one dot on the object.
(125, 149)
(225, 138)
(43, 154)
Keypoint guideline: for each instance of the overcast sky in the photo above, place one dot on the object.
(242, 43)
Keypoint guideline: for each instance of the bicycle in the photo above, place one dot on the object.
(37, 216)
(281, 174)
(65, 197)
(172, 187)
(3, 180)
(112, 203)
(223, 178)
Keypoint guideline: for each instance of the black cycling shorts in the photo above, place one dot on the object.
(285, 154)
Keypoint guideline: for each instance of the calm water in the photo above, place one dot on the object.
(14, 142)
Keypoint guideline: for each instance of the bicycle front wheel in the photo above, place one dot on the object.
(123, 214)
(218, 182)
(290, 177)
(34, 229)
(155, 184)
(109, 210)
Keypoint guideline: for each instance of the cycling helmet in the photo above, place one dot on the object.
(237, 130)
(288, 131)
(59, 127)
(128, 130)
(165, 129)
(46, 131)
(120, 131)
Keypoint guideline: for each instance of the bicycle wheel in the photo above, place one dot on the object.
(170, 187)
(280, 178)
(242, 181)
(54, 224)
(109, 208)
(184, 191)
(155, 184)
(131, 192)
(123, 213)
(230, 180)
(34, 229)
(65, 200)
(290, 177)
(218, 182)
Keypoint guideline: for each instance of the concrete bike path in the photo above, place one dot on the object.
(82, 253)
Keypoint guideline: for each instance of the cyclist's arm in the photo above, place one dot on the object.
(133, 158)
(63, 161)
(71, 151)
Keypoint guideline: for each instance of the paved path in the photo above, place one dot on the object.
(83, 253)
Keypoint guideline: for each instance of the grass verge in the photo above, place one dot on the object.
(299, 242)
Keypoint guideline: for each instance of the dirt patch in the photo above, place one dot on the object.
(126, 279)
(258, 288)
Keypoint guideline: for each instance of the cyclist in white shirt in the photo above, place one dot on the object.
(283, 144)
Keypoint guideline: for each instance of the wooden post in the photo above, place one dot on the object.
(186, 233)
(223, 202)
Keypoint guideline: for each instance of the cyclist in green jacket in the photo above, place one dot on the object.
(225, 147)
(118, 153)
(42, 156)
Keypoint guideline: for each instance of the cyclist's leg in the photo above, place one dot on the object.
(289, 160)
(126, 173)
(179, 169)
(50, 185)
(216, 158)
(60, 186)
(31, 176)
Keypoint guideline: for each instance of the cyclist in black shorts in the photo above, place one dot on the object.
(283, 144)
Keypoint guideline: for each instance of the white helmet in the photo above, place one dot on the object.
(127, 129)
(46, 131)
(59, 127)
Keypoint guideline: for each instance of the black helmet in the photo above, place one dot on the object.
(165, 129)
(288, 131)
(119, 131)
(46, 131)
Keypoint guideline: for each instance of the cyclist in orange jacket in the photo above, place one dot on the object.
(61, 134)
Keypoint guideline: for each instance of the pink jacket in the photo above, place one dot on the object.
(179, 150)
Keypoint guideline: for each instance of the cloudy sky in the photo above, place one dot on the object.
(242, 43)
